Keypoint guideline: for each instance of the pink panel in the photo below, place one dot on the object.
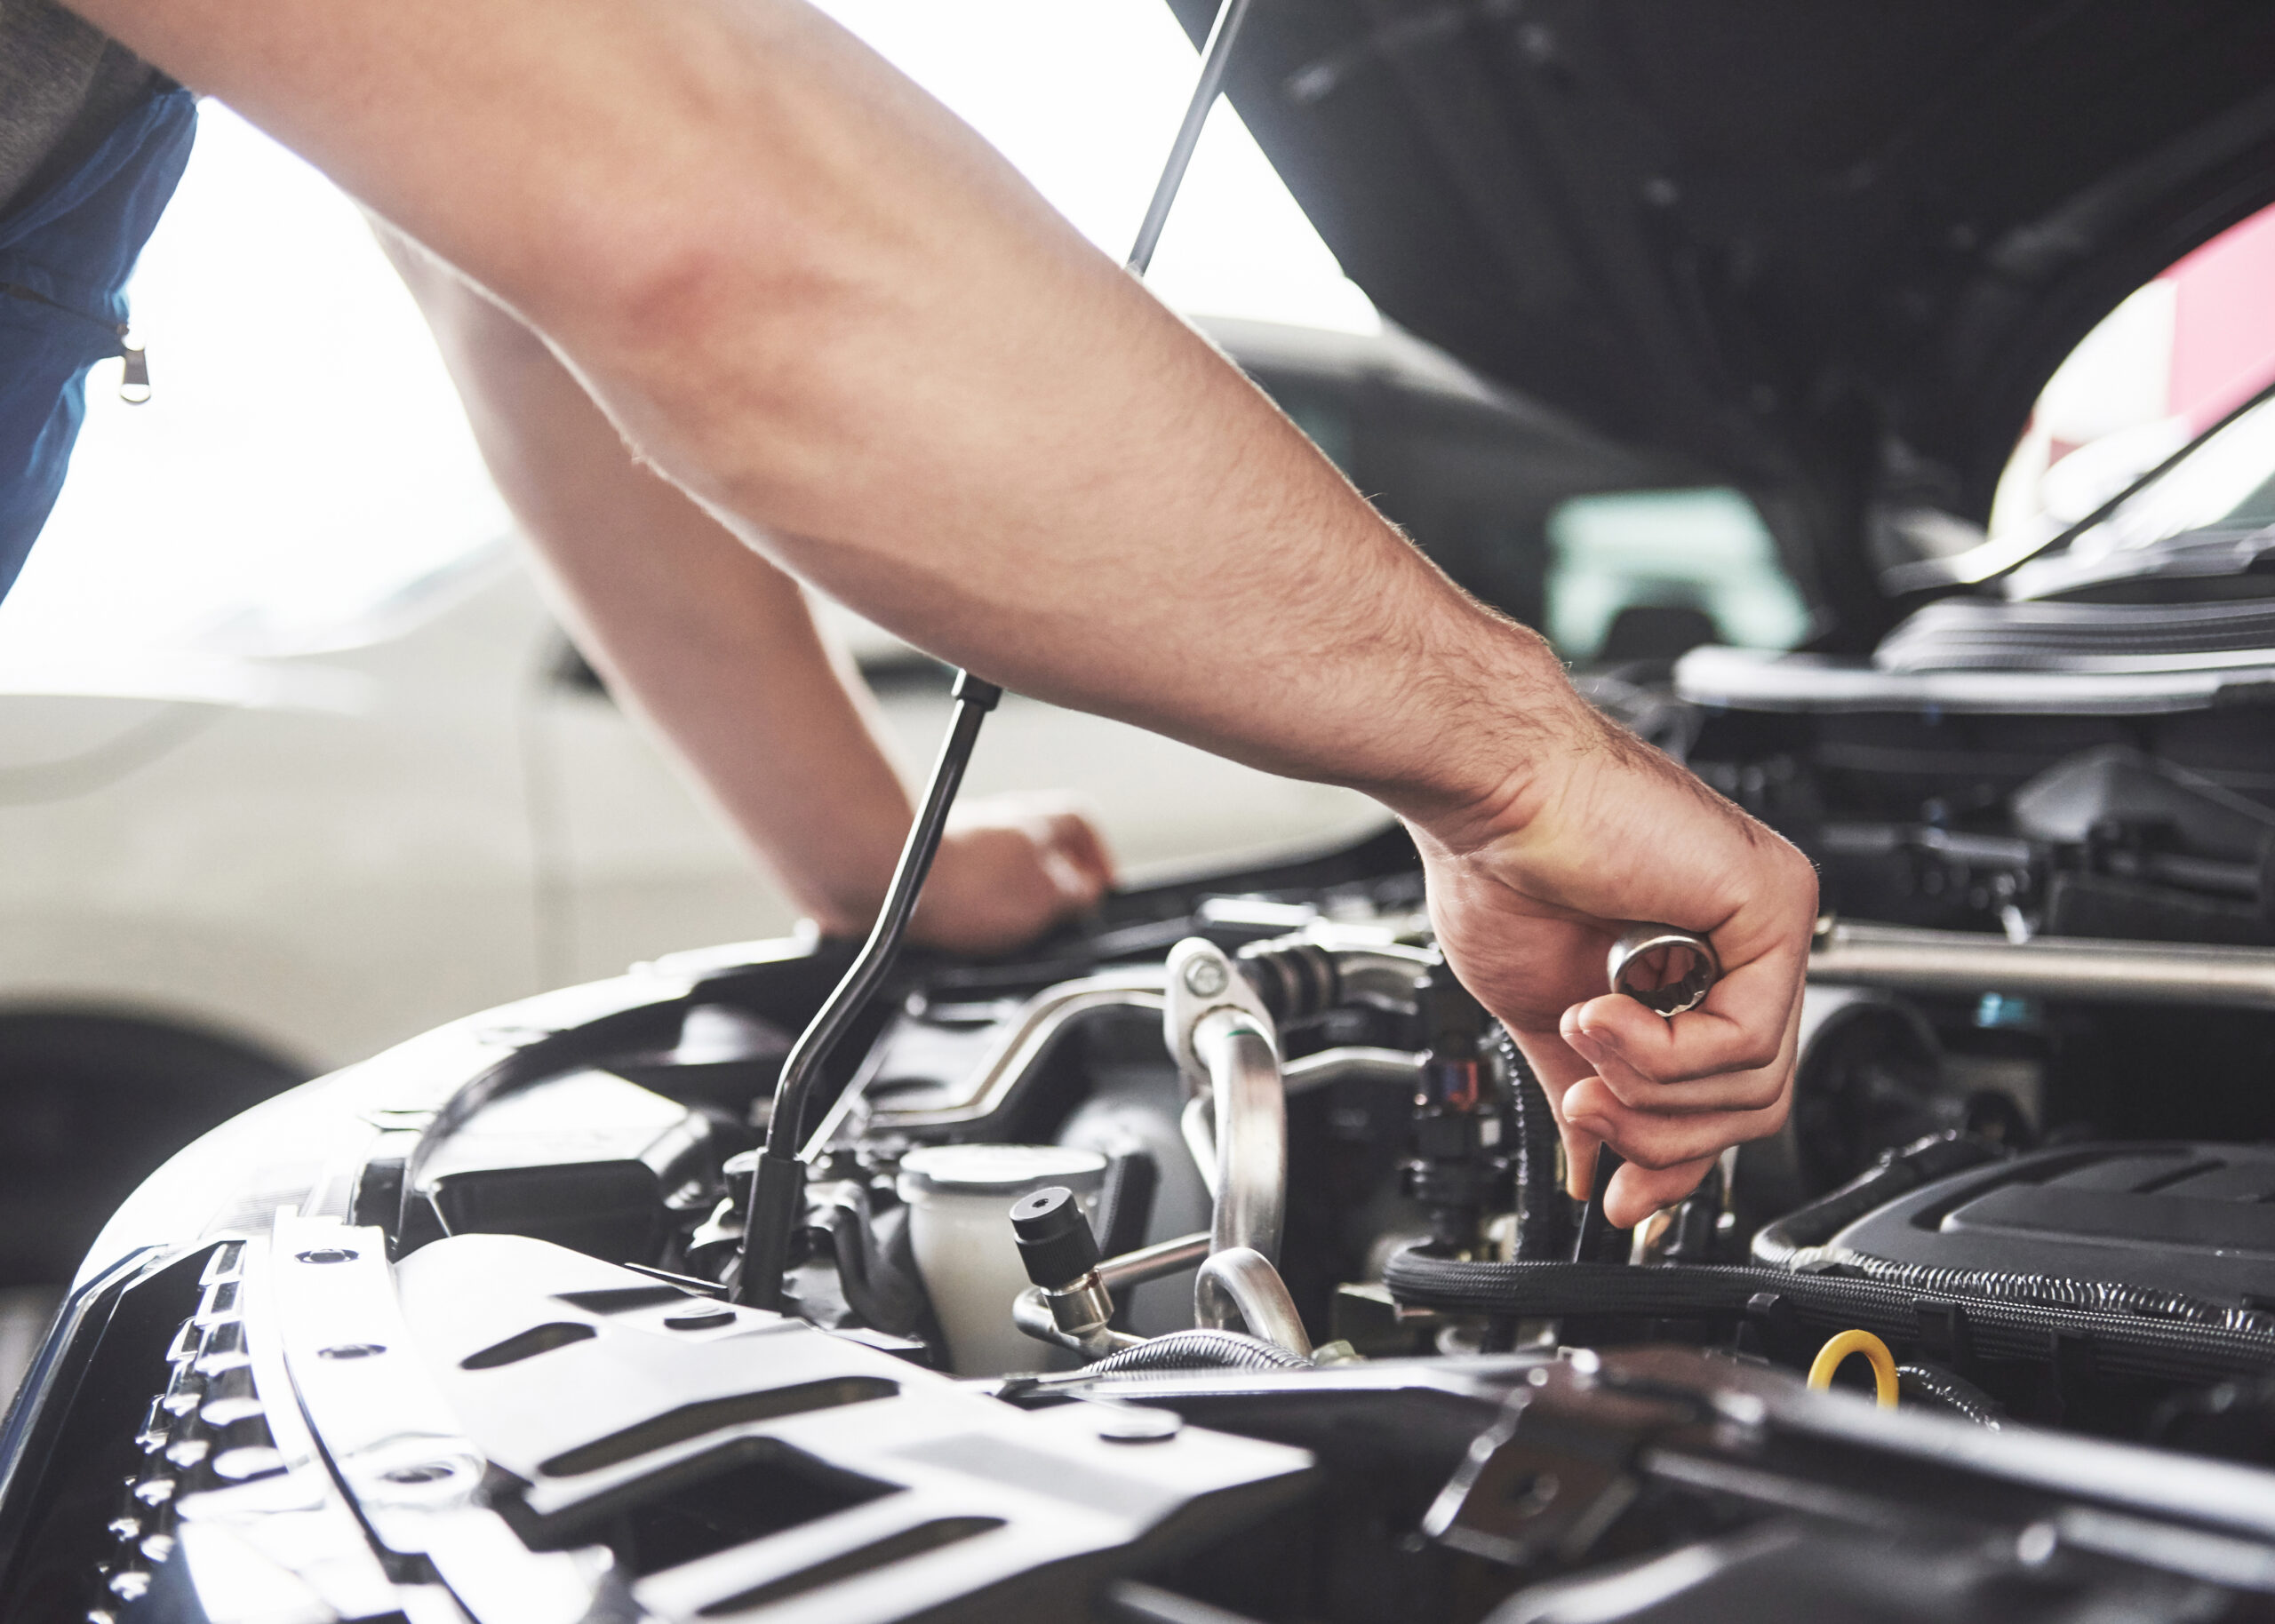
(2223, 338)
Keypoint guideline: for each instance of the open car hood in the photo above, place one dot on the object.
(1828, 251)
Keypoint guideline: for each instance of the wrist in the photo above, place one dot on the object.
(1503, 721)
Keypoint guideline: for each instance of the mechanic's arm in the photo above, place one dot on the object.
(831, 312)
(718, 651)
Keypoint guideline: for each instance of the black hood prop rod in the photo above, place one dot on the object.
(777, 1191)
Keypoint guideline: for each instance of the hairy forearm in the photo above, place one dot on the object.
(828, 310)
(712, 644)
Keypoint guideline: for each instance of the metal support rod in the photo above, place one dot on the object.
(1215, 56)
(779, 1189)
(1593, 1223)
(1967, 962)
(779, 1184)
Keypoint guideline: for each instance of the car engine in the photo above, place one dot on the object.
(1214, 1262)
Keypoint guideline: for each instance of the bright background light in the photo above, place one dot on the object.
(303, 451)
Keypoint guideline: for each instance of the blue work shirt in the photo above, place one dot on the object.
(64, 256)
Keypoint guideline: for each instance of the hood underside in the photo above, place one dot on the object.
(1826, 250)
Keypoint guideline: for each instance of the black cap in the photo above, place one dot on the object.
(1055, 1238)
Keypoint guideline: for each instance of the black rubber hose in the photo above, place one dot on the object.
(1544, 1211)
(1198, 1350)
(2123, 1344)
(1778, 1243)
(1932, 1384)
(2060, 1291)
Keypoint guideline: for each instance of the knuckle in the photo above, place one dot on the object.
(1636, 1093)
(1758, 1053)
(1760, 1095)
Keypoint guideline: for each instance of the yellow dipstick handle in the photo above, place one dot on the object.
(1828, 1356)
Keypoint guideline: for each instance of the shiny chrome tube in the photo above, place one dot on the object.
(1197, 1124)
(1163, 1257)
(1026, 1038)
(1352, 1061)
(1241, 1284)
(1963, 962)
(1252, 1113)
(1035, 1314)
(1380, 975)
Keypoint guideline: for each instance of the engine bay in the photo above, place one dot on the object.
(1216, 1262)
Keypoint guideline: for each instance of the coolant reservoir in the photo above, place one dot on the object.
(960, 1199)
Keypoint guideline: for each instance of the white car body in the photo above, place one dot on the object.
(317, 854)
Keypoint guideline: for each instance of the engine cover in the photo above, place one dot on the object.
(2196, 1219)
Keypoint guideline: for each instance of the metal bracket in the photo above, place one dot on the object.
(1201, 982)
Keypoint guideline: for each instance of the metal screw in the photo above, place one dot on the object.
(326, 1255)
(351, 1351)
(1205, 978)
(1138, 1424)
(700, 1322)
(1531, 1496)
(431, 1471)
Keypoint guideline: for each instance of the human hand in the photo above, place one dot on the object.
(1009, 868)
(1527, 896)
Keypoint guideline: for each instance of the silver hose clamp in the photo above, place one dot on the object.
(1664, 969)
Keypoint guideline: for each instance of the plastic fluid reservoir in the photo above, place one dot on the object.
(960, 1199)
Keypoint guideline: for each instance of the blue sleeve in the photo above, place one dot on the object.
(64, 257)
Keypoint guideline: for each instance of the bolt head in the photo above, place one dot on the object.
(1205, 978)
(426, 1471)
(2036, 1544)
(1135, 1424)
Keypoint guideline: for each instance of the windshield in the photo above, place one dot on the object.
(2221, 492)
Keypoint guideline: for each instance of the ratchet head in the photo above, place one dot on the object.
(1664, 969)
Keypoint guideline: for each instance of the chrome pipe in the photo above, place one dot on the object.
(1240, 1284)
(1382, 974)
(1077, 1318)
(1020, 1046)
(1165, 1257)
(1252, 1113)
(1963, 962)
(1352, 1062)
(1197, 1124)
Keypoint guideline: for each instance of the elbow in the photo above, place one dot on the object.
(694, 327)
